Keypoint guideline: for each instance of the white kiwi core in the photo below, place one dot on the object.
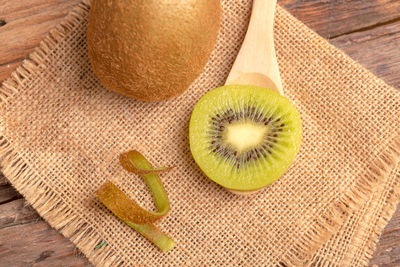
(245, 135)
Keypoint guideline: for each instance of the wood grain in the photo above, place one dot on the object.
(36, 244)
(367, 30)
(17, 212)
(332, 18)
(22, 230)
(24, 24)
(3, 180)
(387, 253)
(8, 193)
(377, 49)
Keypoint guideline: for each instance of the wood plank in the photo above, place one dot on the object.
(23, 26)
(8, 193)
(387, 252)
(17, 212)
(26, 240)
(333, 18)
(36, 244)
(3, 180)
(377, 49)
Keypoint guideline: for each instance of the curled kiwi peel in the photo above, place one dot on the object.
(128, 210)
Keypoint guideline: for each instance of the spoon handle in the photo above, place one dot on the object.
(256, 62)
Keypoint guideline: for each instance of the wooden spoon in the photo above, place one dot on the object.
(256, 62)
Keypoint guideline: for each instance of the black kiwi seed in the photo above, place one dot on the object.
(255, 114)
(267, 121)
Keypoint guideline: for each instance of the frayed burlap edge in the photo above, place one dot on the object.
(59, 215)
(328, 223)
(40, 196)
(391, 200)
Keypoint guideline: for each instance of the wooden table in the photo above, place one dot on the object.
(367, 30)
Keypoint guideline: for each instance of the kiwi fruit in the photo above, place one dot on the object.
(244, 137)
(151, 50)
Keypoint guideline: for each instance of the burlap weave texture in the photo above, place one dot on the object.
(62, 131)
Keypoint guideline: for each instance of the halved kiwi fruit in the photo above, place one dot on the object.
(244, 137)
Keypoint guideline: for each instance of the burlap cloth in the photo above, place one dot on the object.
(61, 133)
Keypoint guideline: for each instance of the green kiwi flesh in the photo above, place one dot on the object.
(244, 137)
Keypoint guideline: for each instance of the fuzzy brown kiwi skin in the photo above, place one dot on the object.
(151, 50)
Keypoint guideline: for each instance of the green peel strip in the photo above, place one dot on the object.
(154, 234)
(128, 210)
(133, 161)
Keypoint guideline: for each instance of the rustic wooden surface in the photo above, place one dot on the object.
(368, 30)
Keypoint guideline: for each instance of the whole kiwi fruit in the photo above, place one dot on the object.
(151, 50)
